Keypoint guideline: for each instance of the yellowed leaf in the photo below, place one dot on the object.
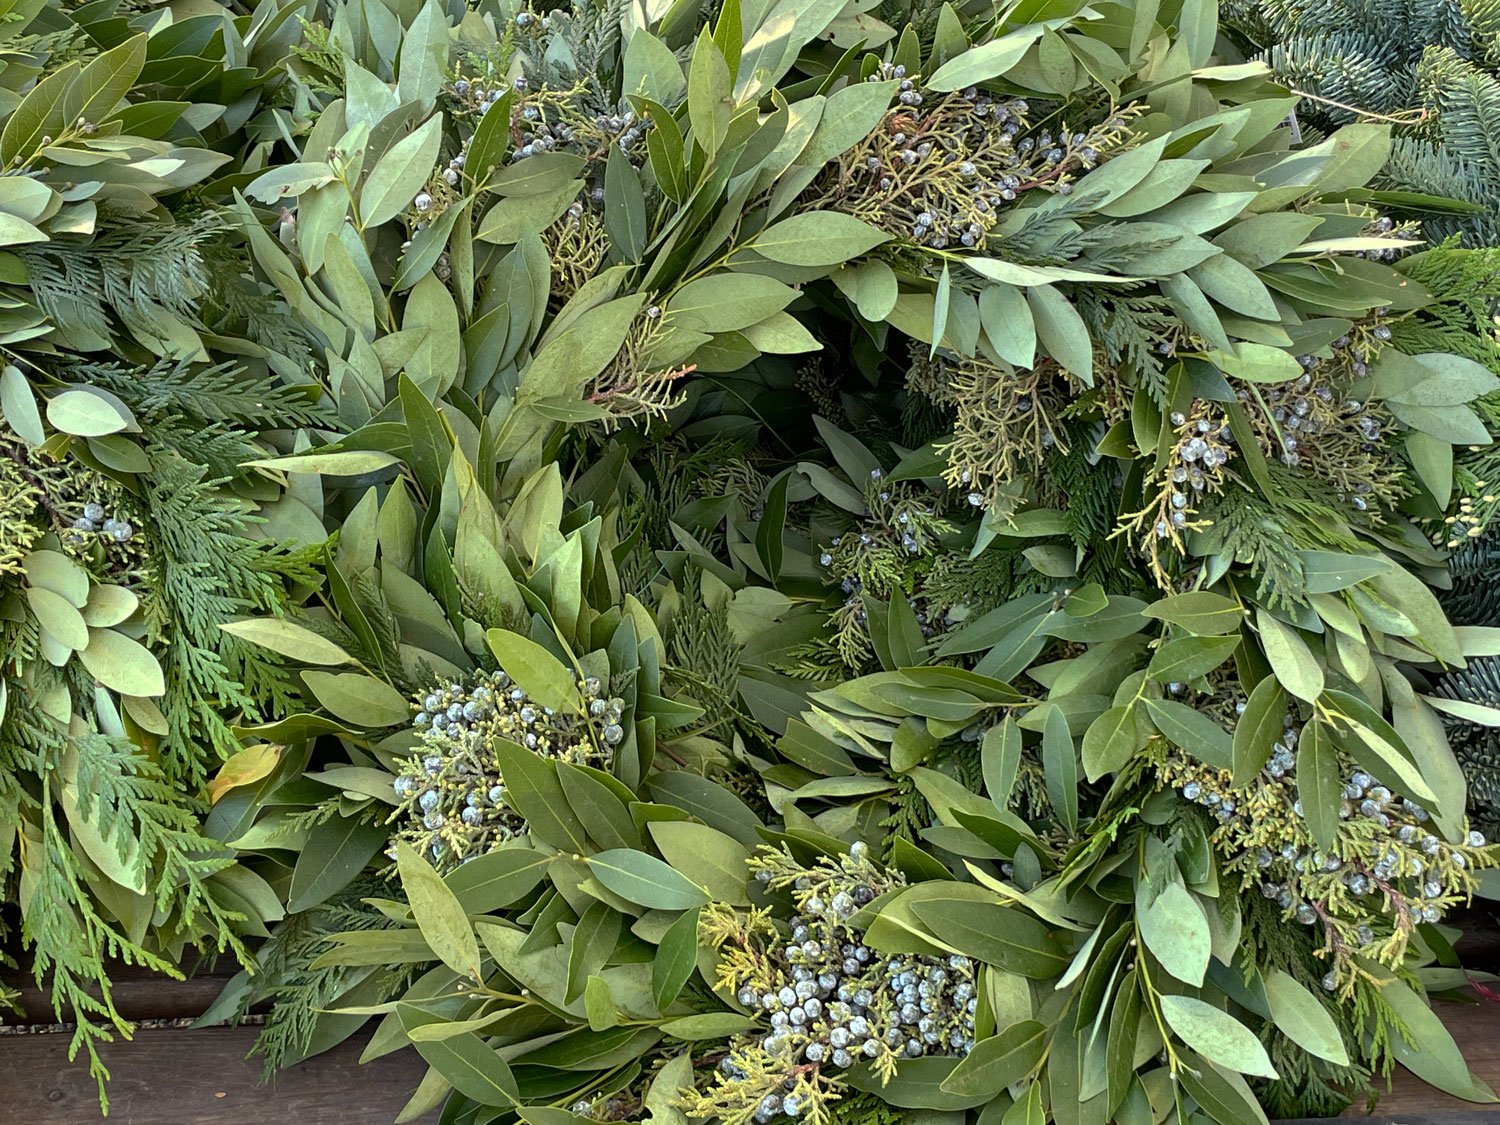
(249, 765)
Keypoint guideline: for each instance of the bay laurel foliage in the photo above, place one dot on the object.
(749, 562)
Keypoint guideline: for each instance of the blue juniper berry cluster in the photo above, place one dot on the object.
(1195, 467)
(1317, 422)
(471, 97)
(941, 168)
(1202, 450)
(1301, 411)
(1388, 871)
(543, 118)
(90, 514)
(884, 556)
(608, 1107)
(549, 108)
(829, 1001)
(95, 523)
(452, 796)
(895, 517)
(1387, 228)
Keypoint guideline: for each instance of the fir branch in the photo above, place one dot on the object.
(304, 994)
(128, 277)
(1475, 596)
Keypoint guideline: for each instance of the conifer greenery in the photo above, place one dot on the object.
(1430, 65)
(756, 561)
(129, 534)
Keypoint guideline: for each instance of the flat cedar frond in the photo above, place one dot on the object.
(123, 278)
(148, 830)
(208, 573)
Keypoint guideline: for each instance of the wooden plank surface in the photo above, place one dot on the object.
(201, 1077)
(138, 993)
(1476, 1029)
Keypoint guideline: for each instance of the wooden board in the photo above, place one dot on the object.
(137, 993)
(201, 1077)
(1476, 1029)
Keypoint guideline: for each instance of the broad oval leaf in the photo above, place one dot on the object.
(85, 414)
(472, 1067)
(395, 181)
(439, 915)
(1216, 1035)
(818, 238)
(999, 1061)
(1176, 932)
(1193, 731)
(497, 878)
(1187, 658)
(1304, 1019)
(986, 61)
(645, 880)
(709, 858)
(540, 674)
(1258, 729)
(1110, 741)
(1198, 611)
(1293, 662)
(676, 958)
(122, 665)
(335, 852)
(289, 639)
(359, 699)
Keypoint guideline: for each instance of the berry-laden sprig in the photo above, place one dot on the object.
(453, 805)
(83, 507)
(1387, 872)
(1194, 466)
(540, 115)
(64, 524)
(885, 555)
(1321, 425)
(1004, 420)
(829, 1001)
(941, 169)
